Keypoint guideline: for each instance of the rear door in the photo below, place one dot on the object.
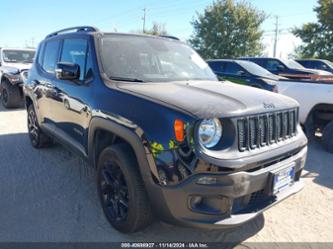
(44, 80)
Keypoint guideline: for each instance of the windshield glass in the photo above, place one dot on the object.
(143, 58)
(255, 69)
(292, 64)
(18, 56)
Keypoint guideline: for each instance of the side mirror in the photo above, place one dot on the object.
(67, 71)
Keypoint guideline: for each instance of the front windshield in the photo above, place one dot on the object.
(255, 69)
(144, 58)
(18, 56)
(292, 64)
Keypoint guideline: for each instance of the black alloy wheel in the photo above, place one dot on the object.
(115, 192)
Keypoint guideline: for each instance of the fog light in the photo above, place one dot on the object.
(207, 180)
(214, 205)
(195, 200)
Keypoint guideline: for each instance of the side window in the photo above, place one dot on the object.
(273, 65)
(321, 65)
(258, 62)
(40, 54)
(233, 68)
(307, 64)
(50, 56)
(75, 51)
(215, 66)
(89, 65)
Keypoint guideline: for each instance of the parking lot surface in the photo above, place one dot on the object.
(50, 195)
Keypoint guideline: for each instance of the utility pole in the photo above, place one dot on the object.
(144, 20)
(276, 35)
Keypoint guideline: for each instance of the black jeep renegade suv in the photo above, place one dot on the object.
(167, 139)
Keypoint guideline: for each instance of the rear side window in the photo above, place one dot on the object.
(75, 51)
(50, 56)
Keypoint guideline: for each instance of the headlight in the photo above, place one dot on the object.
(210, 132)
(14, 78)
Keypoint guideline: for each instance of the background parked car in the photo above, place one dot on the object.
(287, 68)
(245, 73)
(317, 64)
(12, 63)
(316, 107)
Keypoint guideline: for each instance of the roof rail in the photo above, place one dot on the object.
(170, 37)
(74, 29)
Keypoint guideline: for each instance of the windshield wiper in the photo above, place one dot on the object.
(126, 79)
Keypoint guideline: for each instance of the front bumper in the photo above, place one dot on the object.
(230, 200)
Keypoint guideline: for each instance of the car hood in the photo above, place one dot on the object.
(270, 77)
(16, 67)
(313, 71)
(207, 99)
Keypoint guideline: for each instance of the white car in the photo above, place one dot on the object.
(12, 62)
(316, 106)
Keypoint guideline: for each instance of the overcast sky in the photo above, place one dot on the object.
(26, 23)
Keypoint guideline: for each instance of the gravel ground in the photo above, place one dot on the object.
(50, 195)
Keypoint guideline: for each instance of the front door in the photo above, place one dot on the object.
(72, 109)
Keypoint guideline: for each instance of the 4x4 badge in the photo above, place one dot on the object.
(269, 105)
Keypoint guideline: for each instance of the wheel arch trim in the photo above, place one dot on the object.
(133, 136)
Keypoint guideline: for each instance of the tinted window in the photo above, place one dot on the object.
(50, 56)
(321, 65)
(75, 51)
(258, 61)
(217, 66)
(233, 68)
(255, 69)
(306, 63)
(273, 65)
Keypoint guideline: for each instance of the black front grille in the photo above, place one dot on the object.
(263, 130)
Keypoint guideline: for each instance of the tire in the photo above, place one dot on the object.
(10, 95)
(37, 138)
(121, 190)
(327, 138)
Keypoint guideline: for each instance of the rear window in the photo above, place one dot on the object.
(50, 56)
